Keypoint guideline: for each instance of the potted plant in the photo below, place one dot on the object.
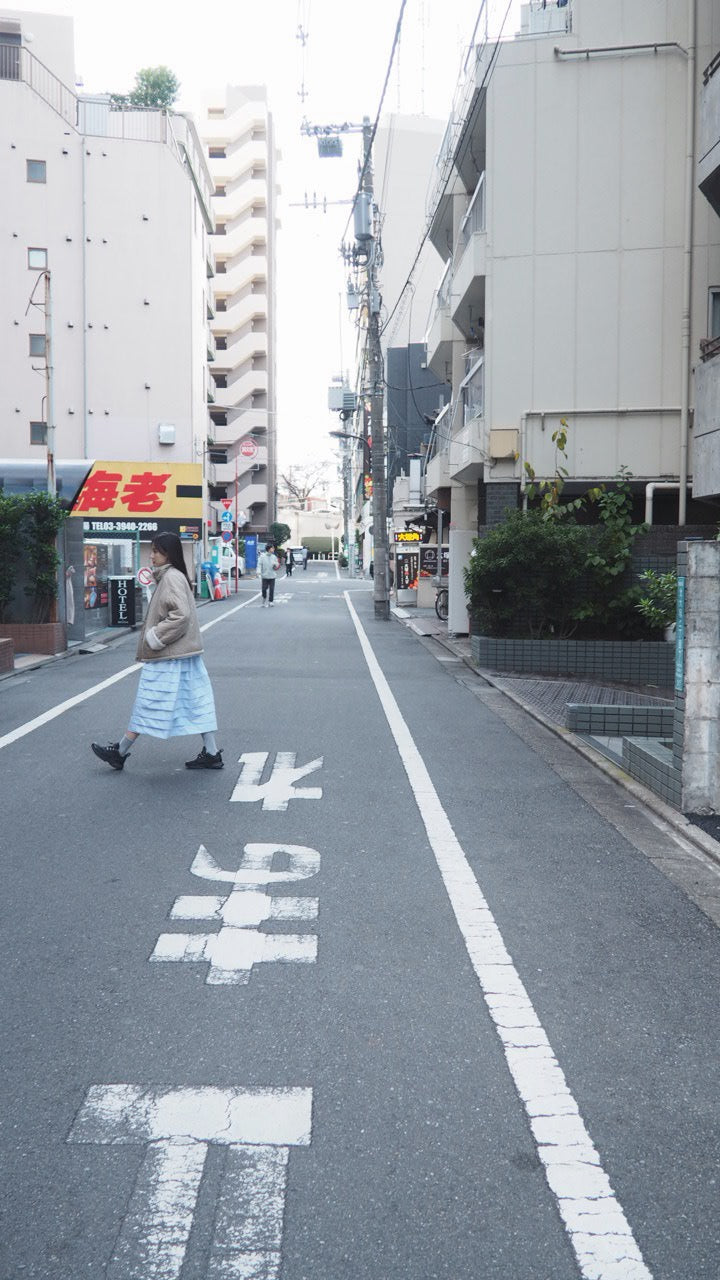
(658, 603)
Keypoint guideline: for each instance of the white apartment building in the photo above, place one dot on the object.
(561, 212)
(238, 134)
(706, 469)
(115, 204)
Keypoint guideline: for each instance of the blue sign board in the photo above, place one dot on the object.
(680, 636)
(251, 551)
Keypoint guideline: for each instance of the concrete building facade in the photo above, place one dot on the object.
(115, 204)
(706, 473)
(571, 248)
(239, 138)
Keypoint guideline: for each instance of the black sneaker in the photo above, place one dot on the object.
(110, 754)
(205, 761)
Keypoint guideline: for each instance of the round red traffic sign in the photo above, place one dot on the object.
(248, 448)
(226, 535)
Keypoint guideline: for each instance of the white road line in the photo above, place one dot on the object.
(69, 703)
(599, 1233)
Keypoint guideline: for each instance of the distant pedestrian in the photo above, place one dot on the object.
(268, 565)
(174, 696)
(288, 563)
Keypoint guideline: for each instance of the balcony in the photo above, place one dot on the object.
(709, 148)
(437, 467)
(253, 495)
(706, 431)
(243, 423)
(441, 333)
(545, 18)
(468, 289)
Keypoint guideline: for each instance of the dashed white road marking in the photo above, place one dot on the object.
(596, 1225)
(176, 1125)
(59, 710)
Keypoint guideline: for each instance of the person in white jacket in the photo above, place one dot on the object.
(268, 564)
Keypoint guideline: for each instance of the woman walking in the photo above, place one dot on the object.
(174, 696)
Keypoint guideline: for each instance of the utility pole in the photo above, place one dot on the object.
(381, 566)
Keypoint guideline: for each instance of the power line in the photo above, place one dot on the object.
(369, 147)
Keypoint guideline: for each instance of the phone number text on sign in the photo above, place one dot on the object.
(120, 526)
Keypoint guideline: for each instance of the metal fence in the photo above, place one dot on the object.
(17, 63)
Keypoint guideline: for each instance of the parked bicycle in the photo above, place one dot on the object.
(441, 603)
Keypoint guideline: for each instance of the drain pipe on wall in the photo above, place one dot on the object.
(649, 493)
(690, 177)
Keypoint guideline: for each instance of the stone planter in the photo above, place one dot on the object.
(629, 661)
(35, 637)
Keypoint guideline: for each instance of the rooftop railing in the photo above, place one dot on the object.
(18, 63)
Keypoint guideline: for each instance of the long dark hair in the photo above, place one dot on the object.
(171, 546)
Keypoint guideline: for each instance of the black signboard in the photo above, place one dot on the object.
(122, 601)
(407, 563)
(429, 561)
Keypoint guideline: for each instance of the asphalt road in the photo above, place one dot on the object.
(458, 1025)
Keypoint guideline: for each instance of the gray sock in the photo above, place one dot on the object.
(125, 744)
(210, 744)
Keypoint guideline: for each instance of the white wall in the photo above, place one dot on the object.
(123, 227)
(404, 153)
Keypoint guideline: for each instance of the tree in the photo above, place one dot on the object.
(279, 533)
(299, 483)
(526, 576)
(154, 88)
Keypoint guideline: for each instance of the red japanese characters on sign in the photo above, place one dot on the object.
(143, 492)
(248, 448)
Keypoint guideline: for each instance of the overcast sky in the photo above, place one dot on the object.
(341, 68)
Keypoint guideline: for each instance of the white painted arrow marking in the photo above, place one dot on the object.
(176, 1125)
(280, 787)
(240, 945)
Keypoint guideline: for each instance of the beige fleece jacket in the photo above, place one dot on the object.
(171, 628)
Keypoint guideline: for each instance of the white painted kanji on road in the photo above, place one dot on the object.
(280, 787)
(176, 1126)
(239, 944)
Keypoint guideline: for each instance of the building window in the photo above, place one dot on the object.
(220, 267)
(714, 314)
(37, 344)
(37, 259)
(221, 344)
(38, 432)
(221, 381)
(36, 171)
(220, 191)
(221, 304)
(220, 229)
(217, 153)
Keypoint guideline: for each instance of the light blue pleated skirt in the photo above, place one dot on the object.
(174, 697)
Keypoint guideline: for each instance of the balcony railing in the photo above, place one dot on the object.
(709, 348)
(472, 390)
(18, 63)
(474, 219)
